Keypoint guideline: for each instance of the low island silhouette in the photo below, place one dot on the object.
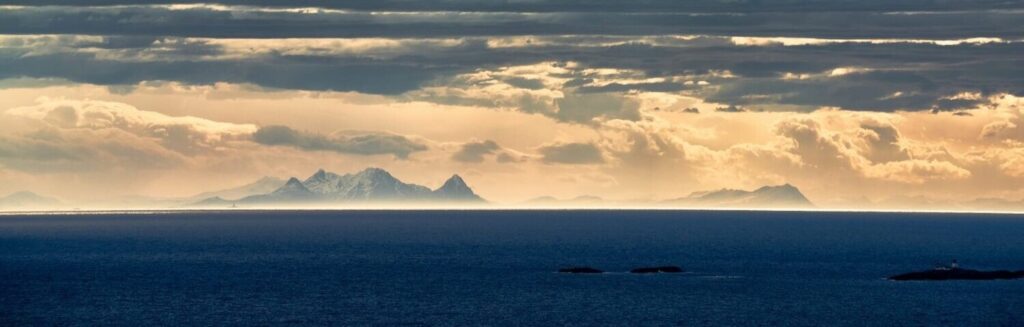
(955, 272)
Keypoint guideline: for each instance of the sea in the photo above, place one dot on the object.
(498, 268)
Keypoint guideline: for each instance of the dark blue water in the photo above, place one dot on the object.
(496, 268)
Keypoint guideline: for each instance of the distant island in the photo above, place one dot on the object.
(785, 196)
(372, 185)
(780, 196)
(954, 272)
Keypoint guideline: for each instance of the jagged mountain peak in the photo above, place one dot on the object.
(455, 188)
(291, 191)
(321, 175)
(455, 181)
(322, 182)
(292, 186)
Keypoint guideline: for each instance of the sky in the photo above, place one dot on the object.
(857, 103)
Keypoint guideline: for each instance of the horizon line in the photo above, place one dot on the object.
(128, 211)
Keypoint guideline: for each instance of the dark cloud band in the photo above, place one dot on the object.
(257, 22)
(885, 76)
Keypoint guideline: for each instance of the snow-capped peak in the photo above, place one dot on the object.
(373, 184)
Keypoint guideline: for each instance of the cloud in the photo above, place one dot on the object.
(872, 149)
(359, 143)
(917, 171)
(815, 147)
(544, 95)
(510, 157)
(662, 154)
(475, 151)
(186, 135)
(583, 108)
(626, 87)
(478, 151)
(1013, 163)
(730, 108)
(998, 129)
(649, 156)
(364, 77)
(55, 150)
(69, 135)
(868, 91)
(571, 153)
(882, 143)
(548, 76)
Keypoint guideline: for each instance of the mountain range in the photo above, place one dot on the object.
(372, 185)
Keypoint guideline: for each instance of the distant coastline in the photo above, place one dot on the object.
(376, 189)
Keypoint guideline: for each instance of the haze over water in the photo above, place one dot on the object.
(497, 267)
